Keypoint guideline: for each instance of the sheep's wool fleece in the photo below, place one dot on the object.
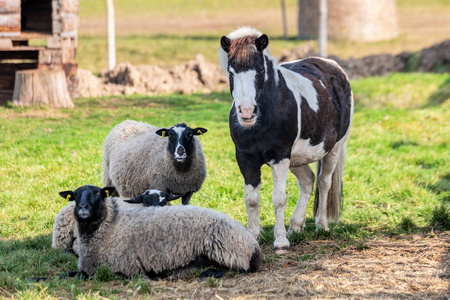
(159, 239)
(65, 230)
(136, 159)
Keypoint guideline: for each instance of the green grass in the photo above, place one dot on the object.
(142, 40)
(396, 181)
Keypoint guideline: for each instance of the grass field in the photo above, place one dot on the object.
(171, 32)
(396, 181)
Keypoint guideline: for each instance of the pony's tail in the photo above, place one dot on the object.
(335, 199)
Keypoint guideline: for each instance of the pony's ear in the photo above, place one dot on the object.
(262, 42)
(108, 191)
(198, 131)
(162, 132)
(68, 195)
(225, 43)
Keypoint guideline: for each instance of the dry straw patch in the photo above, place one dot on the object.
(413, 267)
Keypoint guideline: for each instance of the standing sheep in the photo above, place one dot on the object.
(157, 241)
(136, 158)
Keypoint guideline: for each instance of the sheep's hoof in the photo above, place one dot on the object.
(281, 250)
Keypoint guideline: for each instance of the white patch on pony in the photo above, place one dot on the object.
(321, 83)
(274, 68)
(252, 206)
(301, 86)
(304, 153)
(244, 31)
(244, 91)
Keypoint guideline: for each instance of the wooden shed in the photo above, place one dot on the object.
(38, 40)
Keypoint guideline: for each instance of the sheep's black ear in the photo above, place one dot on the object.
(198, 131)
(262, 42)
(170, 197)
(225, 43)
(108, 191)
(138, 199)
(162, 132)
(68, 195)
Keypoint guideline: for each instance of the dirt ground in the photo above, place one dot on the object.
(409, 267)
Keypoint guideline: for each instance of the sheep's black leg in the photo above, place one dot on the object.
(212, 273)
(37, 279)
(186, 198)
(80, 274)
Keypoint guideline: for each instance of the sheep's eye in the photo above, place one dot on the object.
(190, 134)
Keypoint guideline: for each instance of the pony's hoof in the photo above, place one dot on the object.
(281, 250)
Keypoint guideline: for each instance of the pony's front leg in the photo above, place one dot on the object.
(251, 170)
(279, 173)
(252, 206)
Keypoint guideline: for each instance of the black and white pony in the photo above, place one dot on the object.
(287, 116)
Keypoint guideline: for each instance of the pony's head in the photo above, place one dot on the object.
(242, 56)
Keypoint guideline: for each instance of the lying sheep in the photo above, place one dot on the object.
(157, 241)
(136, 158)
(153, 197)
(65, 232)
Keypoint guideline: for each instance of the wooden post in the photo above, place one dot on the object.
(283, 16)
(110, 34)
(34, 87)
(323, 35)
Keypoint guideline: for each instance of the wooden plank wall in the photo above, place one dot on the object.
(9, 18)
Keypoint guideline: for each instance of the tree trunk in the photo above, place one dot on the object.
(352, 20)
(34, 87)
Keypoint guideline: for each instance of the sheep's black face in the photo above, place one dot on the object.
(153, 197)
(89, 201)
(181, 140)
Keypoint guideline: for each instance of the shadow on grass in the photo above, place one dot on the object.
(440, 216)
(440, 96)
(338, 231)
(31, 257)
(352, 233)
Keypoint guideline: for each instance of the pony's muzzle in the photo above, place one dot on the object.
(247, 115)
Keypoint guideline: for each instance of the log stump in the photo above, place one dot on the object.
(47, 87)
